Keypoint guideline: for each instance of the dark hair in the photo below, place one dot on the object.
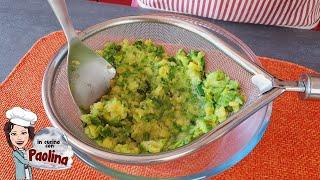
(9, 126)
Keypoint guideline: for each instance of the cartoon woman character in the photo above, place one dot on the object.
(19, 130)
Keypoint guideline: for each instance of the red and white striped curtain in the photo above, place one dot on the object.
(291, 13)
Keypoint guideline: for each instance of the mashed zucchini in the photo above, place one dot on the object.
(158, 102)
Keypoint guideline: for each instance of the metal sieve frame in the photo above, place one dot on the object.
(218, 132)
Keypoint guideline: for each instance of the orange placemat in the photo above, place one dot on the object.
(290, 149)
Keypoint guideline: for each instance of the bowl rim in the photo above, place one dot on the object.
(136, 159)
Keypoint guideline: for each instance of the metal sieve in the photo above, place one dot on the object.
(173, 32)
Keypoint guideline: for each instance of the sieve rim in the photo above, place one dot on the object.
(112, 156)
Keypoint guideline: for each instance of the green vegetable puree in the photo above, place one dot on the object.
(158, 102)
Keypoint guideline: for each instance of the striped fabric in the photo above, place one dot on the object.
(291, 13)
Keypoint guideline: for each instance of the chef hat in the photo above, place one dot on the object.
(22, 117)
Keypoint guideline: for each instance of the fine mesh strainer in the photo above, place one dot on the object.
(173, 32)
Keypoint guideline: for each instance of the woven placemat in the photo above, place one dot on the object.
(289, 149)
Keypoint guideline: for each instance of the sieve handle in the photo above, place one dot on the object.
(311, 82)
(59, 8)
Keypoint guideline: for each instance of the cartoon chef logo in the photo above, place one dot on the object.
(19, 130)
(50, 149)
